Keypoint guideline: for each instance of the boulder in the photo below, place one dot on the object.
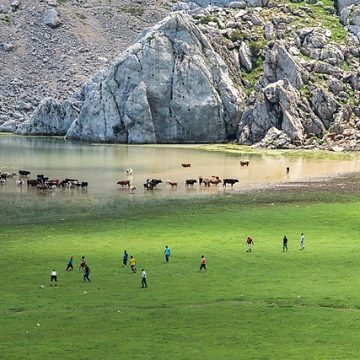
(170, 86)
(245, 56)
(51, 117)
(275, 139)
(51, 18)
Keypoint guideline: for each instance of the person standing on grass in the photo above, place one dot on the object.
(302, 239)
(202, 263)
(143, 279)
(167, 253)
(69, 265)
(133, 264)
(249, 243)
(82, 263)
(86, 273)
(53, 277)
(125, 258)
(285, 242)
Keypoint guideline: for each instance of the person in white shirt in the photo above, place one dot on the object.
(143, 279)
(302, 239)
(53, 277)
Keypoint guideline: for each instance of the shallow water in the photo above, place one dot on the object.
(103, 165)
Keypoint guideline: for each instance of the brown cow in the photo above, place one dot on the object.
(244, 163)
(124, 183)
(185, 165)
(172, 184)
(214, 181)
(42, 187)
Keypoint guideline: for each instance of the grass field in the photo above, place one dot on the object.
(261, 305)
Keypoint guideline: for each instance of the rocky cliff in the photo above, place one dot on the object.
(274, 74)
(49, 48)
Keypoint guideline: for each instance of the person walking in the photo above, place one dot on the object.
(143, 278)
(249, 243)
(133, 264)
(53, 277)
(302, 239)
(167, 253)
(202, 263)
(70, 265)
(86, 273)
(285, 244)
(82, 263)
(125, 258)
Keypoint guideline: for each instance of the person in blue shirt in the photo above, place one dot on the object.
(167, 253)
(70, 265)
(125, 258)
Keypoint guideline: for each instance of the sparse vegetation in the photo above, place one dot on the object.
(133, 9)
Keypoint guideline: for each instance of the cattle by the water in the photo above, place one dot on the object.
(230, 181)
(24, 172)
(19, 182)
(124, 183)
(42, 187)
(32, 183)
(185, 165)
(151, 183)
(190, 182)
(129, 171)
(84, 184)
(171, 183)
(244, 163)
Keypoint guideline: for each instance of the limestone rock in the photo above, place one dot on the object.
(51, 18)
(275, 139)
(279, 65)
(176, 84)
(245, 56)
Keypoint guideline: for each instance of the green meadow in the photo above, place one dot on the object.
(261, 305)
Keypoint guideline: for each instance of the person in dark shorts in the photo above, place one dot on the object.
(285, 242)
(86, 273)
(133, 264)
(125, 258)
(82, 263)
(69, 265)
(202, 263)
(143, 279)
(249, 243)
(167, 253)
(53, 277)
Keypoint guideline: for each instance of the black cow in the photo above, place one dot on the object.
(33, 183)
(84, 184)
(24, 172)
(230, 181)
(190, 182)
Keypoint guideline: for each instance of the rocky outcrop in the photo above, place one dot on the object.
(170, 86)
(230, 70)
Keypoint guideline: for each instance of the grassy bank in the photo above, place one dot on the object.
(261, 305)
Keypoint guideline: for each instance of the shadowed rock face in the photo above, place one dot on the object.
(170, 86)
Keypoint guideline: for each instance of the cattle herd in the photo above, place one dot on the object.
(42, 182)
(150, 184)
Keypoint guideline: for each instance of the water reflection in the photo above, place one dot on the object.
(103, 165)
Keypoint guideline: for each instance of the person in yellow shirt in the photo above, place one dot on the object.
(202, 263)
(133, 264)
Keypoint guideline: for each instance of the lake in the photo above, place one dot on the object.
(103, 165)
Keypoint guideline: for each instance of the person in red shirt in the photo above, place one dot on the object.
(202, 263)
(249, 243)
